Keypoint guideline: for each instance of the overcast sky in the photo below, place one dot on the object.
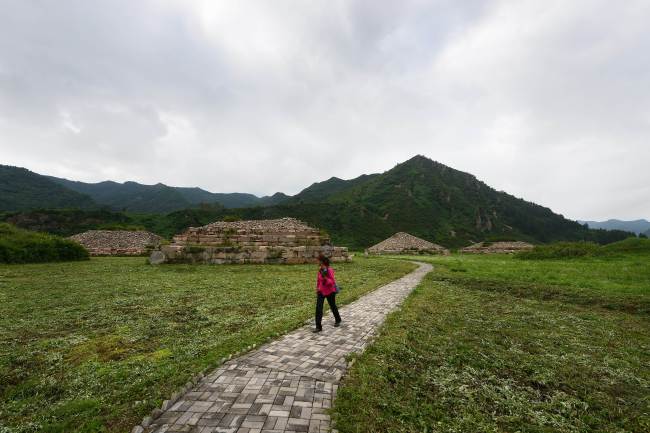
(547, 100)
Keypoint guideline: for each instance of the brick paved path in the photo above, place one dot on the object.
(286, 385)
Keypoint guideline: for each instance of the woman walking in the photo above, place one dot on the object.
(325, 289)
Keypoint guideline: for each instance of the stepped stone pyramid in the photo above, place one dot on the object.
(285, 240)
(404, 243)
(117, 242)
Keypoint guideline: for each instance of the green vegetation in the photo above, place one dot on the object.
(68, 222)
(95, 346)
(160, 198)
(21, 189)
(630, 245)
(567, 250)
(436, 202)
(497, 344)
(561, 250)
(22, 246)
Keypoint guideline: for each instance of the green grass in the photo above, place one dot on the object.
(94, 346)
(569, 250)
(620, 282)
(497, 344)
(24, 246)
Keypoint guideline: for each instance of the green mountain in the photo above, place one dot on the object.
(160, 198)
(436, 202)
(130, 196)
(21, 189)
(323, 191)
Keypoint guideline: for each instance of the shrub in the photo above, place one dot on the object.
(629, 245)
(564, 250)
(561, 250)
(22, 246)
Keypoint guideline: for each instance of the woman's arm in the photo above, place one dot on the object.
(330, 276)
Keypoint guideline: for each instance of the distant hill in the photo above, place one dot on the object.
(130, 196)
(636, 226)
(21, 189)
(160, 198)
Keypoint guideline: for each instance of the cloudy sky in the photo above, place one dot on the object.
(548, 100)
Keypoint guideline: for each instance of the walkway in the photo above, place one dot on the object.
(289, 384)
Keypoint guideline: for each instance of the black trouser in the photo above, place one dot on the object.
(320, 300)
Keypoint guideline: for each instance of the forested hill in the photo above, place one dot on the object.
(21, 189)
(436, 202)
(160, 198)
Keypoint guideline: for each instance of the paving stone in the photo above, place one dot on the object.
(287, 385)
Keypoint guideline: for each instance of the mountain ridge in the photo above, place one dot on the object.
(636, 226)
(160, 198)
(22, 189)
(431, 200)
(420, 196)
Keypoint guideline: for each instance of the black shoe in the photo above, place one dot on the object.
(337, 324)
(315, 330)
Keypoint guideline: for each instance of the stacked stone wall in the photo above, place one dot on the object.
(286, 240)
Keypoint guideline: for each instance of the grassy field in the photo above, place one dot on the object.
(94, 346)
(498, 344)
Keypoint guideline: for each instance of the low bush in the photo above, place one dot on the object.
(561, 250)
(629, 245)
(567, 250)
(23, 246)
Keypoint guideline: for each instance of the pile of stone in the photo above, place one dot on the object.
(285, 240)
(404, 243)
(497, 248)
(117, 242)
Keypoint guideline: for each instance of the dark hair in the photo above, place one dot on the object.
(324, 260)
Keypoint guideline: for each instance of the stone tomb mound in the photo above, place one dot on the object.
(285, 240)
(497, 248)
(404, 243)
(117, 242)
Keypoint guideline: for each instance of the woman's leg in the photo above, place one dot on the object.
(319, 310)
(331, 299)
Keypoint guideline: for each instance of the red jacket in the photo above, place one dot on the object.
(326, 285)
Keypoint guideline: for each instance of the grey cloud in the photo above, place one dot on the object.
(549, 101)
